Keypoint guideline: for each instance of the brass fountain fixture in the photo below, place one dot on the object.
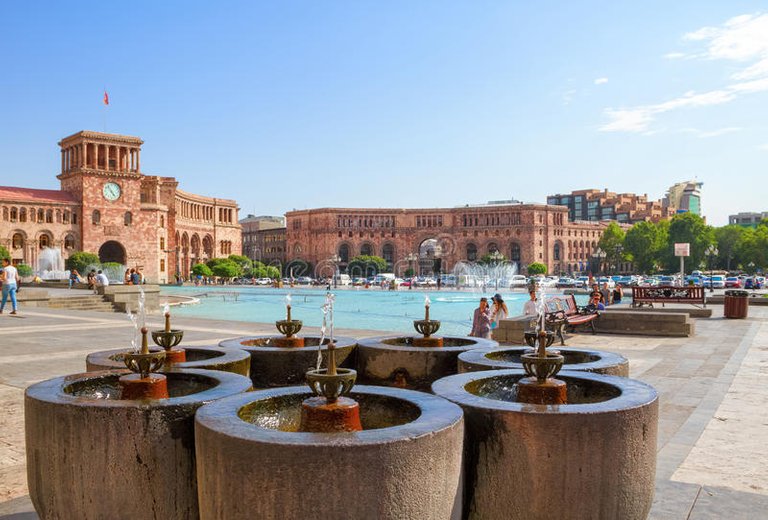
(168, 338)
(144, 382)
(288, 328)
(426, 328)
(329, 410)
(541, 366)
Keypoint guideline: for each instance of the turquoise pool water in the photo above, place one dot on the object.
(370, 309)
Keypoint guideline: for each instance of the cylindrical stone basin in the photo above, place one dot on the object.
(209, 357)
(406, 463)
(395, 361)
(273, 366)
(597, 361)
(93, 455)
(593, 458)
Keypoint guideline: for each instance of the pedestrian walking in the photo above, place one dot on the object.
(481, 321)
(10, 280)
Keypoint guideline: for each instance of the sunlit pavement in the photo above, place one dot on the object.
(713, 391)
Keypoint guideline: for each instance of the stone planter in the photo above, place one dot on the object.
(92, 455)
(406, 463)
(285, 366)
(394, 361)
(583, 360)
(208, 358)
(595, 458)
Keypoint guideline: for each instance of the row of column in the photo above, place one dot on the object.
(87, 155)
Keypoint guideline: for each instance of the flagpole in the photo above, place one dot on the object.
(106, 107)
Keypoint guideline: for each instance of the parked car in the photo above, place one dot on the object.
(717, 282)
(733, 282)
(753, 283)
(518, 281)
(566, 283)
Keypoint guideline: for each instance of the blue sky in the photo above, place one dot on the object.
(290, 104)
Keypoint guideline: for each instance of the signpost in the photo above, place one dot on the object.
(682, 250)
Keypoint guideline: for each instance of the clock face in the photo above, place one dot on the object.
(111, 191)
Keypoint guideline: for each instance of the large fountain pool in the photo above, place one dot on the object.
(369, 309)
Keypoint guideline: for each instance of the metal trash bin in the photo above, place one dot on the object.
(736, 304)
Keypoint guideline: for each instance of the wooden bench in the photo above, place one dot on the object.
(562, 312)
(668, 294)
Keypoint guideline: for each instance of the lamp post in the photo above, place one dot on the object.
(410, 258)
(751, 266)
(335, 259)
(711, 252)
(600, 255)
(496, 257)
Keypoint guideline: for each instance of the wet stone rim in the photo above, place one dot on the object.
(220, 356)
(236, 343)
(437, 414)
(633, 393)
(52, 390)
(473, 343)
(605, 359)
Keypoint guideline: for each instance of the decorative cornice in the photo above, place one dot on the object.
(102, 138)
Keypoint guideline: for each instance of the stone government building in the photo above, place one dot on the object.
(106, 205)
(415, 238)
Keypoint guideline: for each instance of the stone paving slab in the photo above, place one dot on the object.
(712, 388)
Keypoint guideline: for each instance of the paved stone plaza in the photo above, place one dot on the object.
(712, 460)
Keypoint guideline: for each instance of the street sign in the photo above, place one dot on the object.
(682, 249)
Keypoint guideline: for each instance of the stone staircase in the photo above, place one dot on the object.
(83, 303)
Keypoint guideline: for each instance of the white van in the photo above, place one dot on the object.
(342, 279)
(383, 277)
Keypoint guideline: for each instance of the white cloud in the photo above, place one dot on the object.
(601, 81)
(743, 39)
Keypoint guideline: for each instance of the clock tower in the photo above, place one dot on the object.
(102, 171)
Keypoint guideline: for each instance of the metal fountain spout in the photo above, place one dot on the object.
(427, 328)
(288, 328)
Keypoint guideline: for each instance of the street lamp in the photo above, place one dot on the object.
(600, 254)
(335, 260)
(711, 252)
(410, 258)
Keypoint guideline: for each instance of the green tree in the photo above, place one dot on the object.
(537, 268)
(728, 240)
(80, 260)
(243, 261)
(364, 265)
(643, 242)
(612, 242)
(227, 269)
(271, 272)
(4, 253)
(201, 270)
(488, 259)
(692, 229)
(24, 270)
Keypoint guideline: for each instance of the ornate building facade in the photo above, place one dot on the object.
(108, 206)
(435, 240)
(264, 239)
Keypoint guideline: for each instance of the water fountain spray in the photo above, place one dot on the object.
(169, 338)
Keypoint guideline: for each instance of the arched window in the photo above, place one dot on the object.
(344, 253)
(69, 242)
(17, 242)
(74, 217)
(23, 215)
(471, 252)
(44, 241)
(40, 215)
(96, 217)
(492, 248)
(366, 249)
(557, 251)
(14, 214)
(388, 253)
(65, 216)
(49, 216)
(5, 213)
(514, 252)
(128, 218)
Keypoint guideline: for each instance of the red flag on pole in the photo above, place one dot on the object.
(106, 98)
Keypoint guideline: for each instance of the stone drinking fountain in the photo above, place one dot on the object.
(119, 443)
(336, 452)
(414, 361)
(282, 360)
(209, 357)
(579, 446)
